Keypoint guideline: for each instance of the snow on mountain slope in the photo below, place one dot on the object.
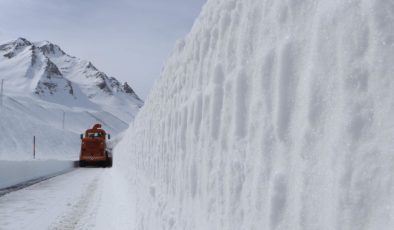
(270, 115)
(26, 69)
(40, 83)
(45, 70)
(105, 91)
(25, 117)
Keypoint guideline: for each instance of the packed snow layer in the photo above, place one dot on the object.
(271, 115)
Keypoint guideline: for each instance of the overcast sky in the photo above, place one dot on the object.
(127, 39)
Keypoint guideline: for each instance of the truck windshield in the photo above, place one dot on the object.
(93, 135)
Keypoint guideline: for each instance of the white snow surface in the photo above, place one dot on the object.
(86, 198)
(41, 83)
(270, 115)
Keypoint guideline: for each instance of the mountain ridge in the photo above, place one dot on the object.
(54, 73)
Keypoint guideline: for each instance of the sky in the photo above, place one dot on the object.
(126, 39)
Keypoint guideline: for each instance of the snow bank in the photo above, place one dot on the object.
(23, 117)
(15, 172)
(271, 115)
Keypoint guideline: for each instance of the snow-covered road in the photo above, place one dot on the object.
(87, 198)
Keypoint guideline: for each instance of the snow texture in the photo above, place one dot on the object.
(270, 115)
(86, 198)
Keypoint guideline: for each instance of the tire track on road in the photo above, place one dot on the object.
(73, 219)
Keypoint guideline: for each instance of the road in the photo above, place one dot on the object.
(86, 198)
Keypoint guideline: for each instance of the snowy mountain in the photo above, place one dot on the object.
(44, 69)
(270, 115)
(41, 83)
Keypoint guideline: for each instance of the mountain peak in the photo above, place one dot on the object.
(128, 89)
(11, 48)
(55, 76)
(89, 65)
(22, 42)
(49, 48)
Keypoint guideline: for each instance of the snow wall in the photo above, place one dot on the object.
(271, 115)
(13, 173)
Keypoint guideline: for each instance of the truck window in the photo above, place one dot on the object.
(94, 135)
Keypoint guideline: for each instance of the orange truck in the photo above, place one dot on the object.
(94, 148)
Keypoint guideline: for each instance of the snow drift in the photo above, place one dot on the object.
(271, 115)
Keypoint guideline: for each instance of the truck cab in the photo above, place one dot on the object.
(94, 148)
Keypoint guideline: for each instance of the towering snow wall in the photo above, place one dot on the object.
(271, 115)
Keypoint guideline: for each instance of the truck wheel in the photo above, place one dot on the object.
(110, 162)
(82, 164)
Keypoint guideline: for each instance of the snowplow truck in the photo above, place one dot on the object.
(94, 148)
